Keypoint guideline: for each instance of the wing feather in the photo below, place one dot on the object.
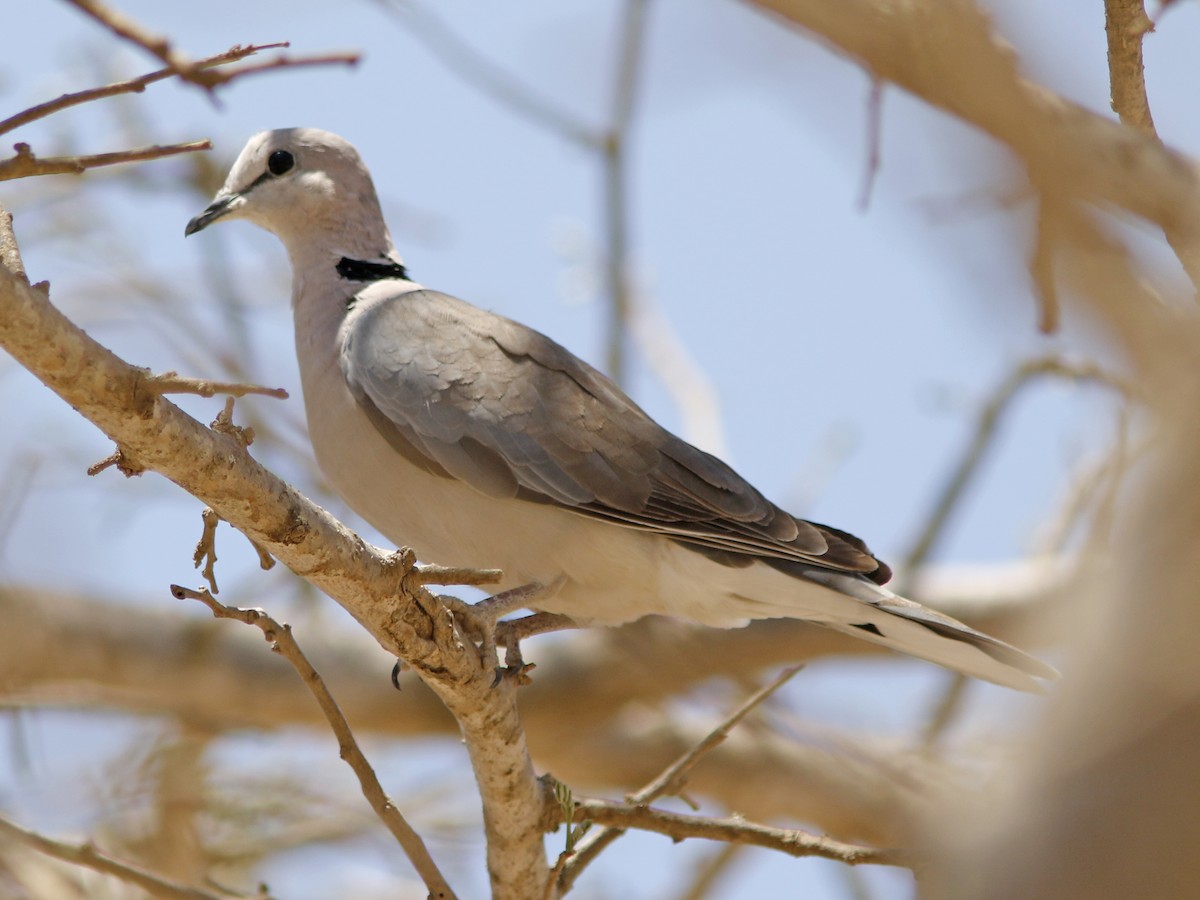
(484, 399)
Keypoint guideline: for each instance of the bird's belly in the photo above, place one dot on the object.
(608, 574)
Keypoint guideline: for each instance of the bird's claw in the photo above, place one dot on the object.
(519, 674)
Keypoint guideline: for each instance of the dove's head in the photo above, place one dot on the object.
(307, 186)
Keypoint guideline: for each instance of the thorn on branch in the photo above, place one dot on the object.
(10, 251)
(223, 424)
(266, 561)
(206, 547)
(118, 458)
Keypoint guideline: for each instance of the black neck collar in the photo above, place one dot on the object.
(364, 270)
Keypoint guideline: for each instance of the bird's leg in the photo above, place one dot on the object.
(512, 632)
(500, 605)
(476, 628)
(482, 620)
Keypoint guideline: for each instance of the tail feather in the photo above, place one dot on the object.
(910, 628)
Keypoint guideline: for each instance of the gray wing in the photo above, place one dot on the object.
(472, 395)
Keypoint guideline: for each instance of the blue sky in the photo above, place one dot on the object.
(849, 349)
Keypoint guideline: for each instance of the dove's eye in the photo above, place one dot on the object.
(280, 162)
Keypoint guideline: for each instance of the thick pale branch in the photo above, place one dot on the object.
(216, 468)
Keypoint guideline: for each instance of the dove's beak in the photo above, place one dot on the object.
(221, 206)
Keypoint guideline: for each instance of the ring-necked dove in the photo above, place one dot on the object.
(484, 443)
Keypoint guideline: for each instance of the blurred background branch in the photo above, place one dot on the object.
(645, 111)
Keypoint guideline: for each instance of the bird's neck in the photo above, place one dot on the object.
(326, 275)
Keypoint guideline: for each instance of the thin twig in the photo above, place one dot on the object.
(1041, 265)
(172, 383)
(706, 874)
(1125, 25)
(671, 780)
(124, 27)
(673, 777)
(487, 77)
(946, 710)
(195, 72)
(874, 141)
(684, 378)
(25, 164)
(89, 857)
(121, 460)
(132, 86)
(616, 188)
(284, 643)
(219, 77)
(986, 430)
(680, 826)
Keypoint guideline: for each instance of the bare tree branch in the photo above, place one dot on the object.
(944, 52)
(124, 27)
(172, 383)
(1105, 801)
(678, 827)
(986, 429)
(1125, 25)
(88, 856)
(394, 608)
(487, 77)
(132, 86)
(616, 187)
(669, 781)
(206, 548)
(283, 642)
(25, 164)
